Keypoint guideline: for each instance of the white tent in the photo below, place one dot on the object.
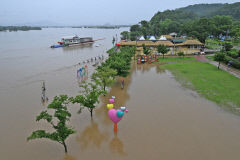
(152, 38)
(141, 38)
(162, 38)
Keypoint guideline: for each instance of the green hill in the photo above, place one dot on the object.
(232, 10)
(175, 15)
(202, 10)
(182, 15)
(210, 10)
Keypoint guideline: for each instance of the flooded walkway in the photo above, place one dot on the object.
(171, 122)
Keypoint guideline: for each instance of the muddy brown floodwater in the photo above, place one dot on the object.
(165, 121)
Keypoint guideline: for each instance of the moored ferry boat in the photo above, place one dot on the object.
(74, 40)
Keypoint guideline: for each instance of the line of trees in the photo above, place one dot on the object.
(18, 28)
(118, 64)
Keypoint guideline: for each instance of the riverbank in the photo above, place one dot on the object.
(213, 84)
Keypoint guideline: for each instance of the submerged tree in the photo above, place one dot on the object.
(104, 76)
(120, 61)
(219, 57)
(62, 115)
(120, 64)
(88, 97)
(162, 49)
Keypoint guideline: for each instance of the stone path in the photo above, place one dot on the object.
(231, 70)
(201, 58)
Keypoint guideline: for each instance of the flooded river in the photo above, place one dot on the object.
(165, 120)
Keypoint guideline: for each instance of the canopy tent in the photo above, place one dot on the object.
(162, 38)
(141, 38)
(152, 38)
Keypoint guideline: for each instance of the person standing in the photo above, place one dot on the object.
(113, 41)
(43, 92)
(44, 98)
(122, 83)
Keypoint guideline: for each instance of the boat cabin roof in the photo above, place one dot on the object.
(69, 37)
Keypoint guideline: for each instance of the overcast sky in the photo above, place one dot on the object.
(87, 12)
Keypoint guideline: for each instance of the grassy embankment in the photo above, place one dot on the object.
(213, 84)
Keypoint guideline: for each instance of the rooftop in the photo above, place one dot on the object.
(69, 37)
(168, 36)
(190, 42)
(147, 43)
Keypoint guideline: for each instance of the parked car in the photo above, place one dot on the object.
(196, 53)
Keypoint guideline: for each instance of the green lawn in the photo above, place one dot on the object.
(170, 59)
(213, 84)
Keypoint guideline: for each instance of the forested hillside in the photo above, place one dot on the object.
(210, 10)
(232, 10)
(202, 10)
(197, 21)
(174, 15)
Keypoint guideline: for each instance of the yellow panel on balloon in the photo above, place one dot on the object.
(110, 106)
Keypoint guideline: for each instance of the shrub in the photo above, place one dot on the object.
(111, 51)
(180, 54)
(235, 63)
(233, 53)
